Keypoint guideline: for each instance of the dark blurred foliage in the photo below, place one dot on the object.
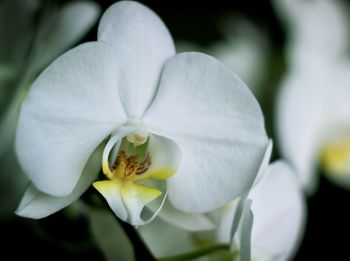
(328, 224)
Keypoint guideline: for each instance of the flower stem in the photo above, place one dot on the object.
(140, 250)
(196, 253)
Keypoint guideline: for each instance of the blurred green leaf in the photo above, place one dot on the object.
(109, 236)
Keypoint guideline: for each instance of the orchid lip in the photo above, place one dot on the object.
(126, 167)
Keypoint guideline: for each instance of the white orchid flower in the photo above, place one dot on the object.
(184, 119)
(270, 225)
(313, 111)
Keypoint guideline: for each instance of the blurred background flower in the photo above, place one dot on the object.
(313, 109)
(33, 33)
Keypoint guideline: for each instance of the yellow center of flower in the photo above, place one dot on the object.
(128, 167)
(127, 162)
(336, 157)
(132, 160)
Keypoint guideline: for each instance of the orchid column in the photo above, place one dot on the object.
(184, 122)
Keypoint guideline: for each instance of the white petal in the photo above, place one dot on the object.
(63, 29)
(279, 213)
(112, 147)
(70, 109)
(142, 44)
(265, 163)
(301, 112)
(305, 18)
(165, 157)
(230, 216)
(246, 232)
(184, 220)
(218, 125)
(36, 204)
(338, 97)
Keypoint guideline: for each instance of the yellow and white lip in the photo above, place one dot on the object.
(335, 160)
(155, 159)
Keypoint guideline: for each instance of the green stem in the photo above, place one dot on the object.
(196, 253)
(140, 250)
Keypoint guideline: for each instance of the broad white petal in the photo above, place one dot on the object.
(64, 28)
(142, 44)
(279, 213)
(70, 109)
(217, 123)
(36, 204)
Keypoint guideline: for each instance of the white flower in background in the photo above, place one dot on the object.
(32, 35)
(27, 47)
(309, 24)
(185, 119)
(269, 228)
(313, 109)
(244, 49)
(279, 213)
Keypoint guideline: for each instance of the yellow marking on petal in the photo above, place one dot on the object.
(336, 157)
(144, 194)
(106, 170)
(106, 187)
(159, 173)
